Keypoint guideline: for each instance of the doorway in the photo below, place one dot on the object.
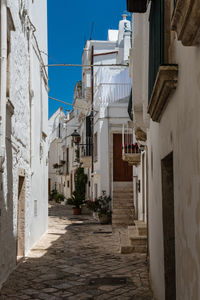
(21, 218)
(121, 170)
(168, 227)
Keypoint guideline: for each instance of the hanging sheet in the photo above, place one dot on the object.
(111, 85)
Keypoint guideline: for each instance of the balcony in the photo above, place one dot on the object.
(166, 82)
(186, 22)
(86, 153)
(131, 152)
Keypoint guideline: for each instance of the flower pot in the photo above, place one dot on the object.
(104, 219)
(76, 211)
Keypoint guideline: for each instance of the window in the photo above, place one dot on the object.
(95, 147)
(67, 161)
(156, 41)
(88, 136)
(35, 208)
(95, 190)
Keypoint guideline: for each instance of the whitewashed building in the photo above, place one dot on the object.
(166, 107)
(56, 128)
(23, 129)
(102, 117)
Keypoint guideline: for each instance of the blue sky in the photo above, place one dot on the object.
(69, 25)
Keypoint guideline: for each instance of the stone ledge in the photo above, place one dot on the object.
(166, 81)
(133, 159)
(186, 22)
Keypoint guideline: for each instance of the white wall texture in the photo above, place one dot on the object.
(177, 132)
(26, 145)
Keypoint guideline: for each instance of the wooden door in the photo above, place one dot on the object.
(169, 227)
(121, 170)
(21, 217)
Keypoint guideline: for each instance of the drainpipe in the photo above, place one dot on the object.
(3, 80)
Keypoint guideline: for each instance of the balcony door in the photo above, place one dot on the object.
(121, 170)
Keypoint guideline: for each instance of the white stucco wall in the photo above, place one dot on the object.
(26, 148)
(177, 132)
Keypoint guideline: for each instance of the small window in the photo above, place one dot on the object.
(95, 147)
(35, 208)
(95, 190)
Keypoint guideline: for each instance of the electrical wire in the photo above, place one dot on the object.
(86, 66)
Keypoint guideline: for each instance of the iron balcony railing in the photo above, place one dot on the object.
(86, 149)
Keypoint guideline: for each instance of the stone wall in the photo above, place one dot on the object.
(20, 138)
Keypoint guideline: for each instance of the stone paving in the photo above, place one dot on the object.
(78, 259)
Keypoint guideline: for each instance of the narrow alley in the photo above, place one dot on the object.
(78, 259)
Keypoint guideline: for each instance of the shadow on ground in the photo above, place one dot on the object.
(78, 260)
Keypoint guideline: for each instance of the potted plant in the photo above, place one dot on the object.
(59, 197)
(76, 201)
(78, 196)
(102, 205)
(52, 194)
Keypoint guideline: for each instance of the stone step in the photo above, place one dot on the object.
(138, 241)
(122, 210)
(122, 221)
(122, 185)
(133, 249)
(125, 194)
(123, 200)
(123, 215)
(137, 231)
(122, 206)
(142, 231)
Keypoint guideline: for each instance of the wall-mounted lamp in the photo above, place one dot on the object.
(76, 137)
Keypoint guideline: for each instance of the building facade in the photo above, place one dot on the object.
(23, 130)
(165, 108)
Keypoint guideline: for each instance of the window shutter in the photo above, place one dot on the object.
(130, 107)
(156, 40)
(88, 135)
(88, 126)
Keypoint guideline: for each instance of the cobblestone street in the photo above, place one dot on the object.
(78, 260)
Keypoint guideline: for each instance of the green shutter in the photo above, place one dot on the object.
(88, 136)
(88, 126)
(130, 107)
(156, 40)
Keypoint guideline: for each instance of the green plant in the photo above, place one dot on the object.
(53, 193)
(80, 179)
(92, 205)
(101, 205)
(76, 200)
(77, 159)
(59, 197)
(104, 203)
(78, 196)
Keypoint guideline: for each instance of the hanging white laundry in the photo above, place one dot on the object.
(111, 85)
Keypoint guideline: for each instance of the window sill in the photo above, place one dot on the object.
(186, 22)
(166, 81)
